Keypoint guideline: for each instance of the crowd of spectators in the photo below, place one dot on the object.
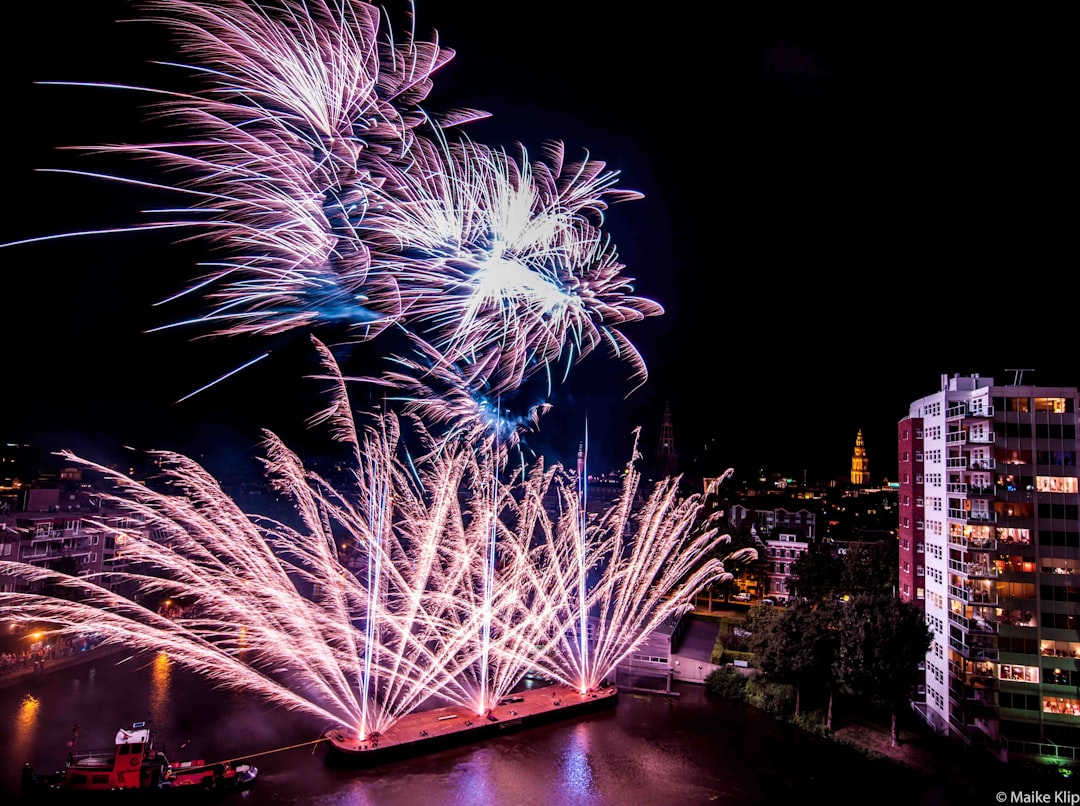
(36, 656)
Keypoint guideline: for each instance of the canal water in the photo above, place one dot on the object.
(649, 750)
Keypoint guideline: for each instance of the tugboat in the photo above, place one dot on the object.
(134, 764)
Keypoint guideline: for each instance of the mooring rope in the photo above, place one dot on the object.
(267, 752)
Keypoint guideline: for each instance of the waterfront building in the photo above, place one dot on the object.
(989, 546)
(64, 525)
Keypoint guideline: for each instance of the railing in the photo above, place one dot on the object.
(974, 596)
(1041, 749)
(957, 487)
(981, 438)
(973, 624)
(42, 555)
(956, 438)
(972, 515)
(956, 463)
(973, 652)
(982, 464)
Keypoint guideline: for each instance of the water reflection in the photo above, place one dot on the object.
(577, 775)
(648, 750)
(25, 728)
(161, 690)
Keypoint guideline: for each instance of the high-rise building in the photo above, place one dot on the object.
(860, 464)
(989, 542)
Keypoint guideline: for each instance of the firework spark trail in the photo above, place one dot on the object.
(514, 272)
(278, 610)
(650, 565)
(329, 195)
(209, 553)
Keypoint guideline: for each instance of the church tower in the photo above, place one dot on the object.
(860, 465)
(666, 460)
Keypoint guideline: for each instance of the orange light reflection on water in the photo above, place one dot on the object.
(25, 730)
(161, 689)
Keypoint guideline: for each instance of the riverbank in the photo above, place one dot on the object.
(918, 750)
(27, 672)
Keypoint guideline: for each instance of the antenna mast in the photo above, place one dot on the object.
(1018, 375)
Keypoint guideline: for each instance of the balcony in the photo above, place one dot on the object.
(957, 488)
(981, 544)
(956, 463)
(972, 516)
(973, 594)
(42, 555)
(982, 464)
(981, 438)
(956, 438)
(975, 624)
(981, 570)
(978, 409)
(976, 653)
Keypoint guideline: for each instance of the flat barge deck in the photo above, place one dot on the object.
(426, 731)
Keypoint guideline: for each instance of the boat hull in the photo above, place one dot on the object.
(425, 732)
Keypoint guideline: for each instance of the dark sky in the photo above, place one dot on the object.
(838, 210)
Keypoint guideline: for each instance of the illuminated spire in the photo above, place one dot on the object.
(666, 459)
(860, 465)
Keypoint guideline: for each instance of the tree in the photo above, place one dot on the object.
(755, 569)
(795, 645)
(870, 568)
(816, 575)
(882, 642)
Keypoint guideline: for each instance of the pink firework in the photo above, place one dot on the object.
(410, 580)
(329, 196)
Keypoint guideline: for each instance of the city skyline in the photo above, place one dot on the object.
(783, 165)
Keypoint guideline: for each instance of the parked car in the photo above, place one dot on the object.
(768, 602)
(741, 597)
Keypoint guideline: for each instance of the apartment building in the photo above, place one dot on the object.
(784, 535)
(989, 546)
(783, 549)
(66, 531)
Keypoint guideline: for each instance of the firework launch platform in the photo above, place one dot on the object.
(427, 731)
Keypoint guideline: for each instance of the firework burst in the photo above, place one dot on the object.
(330, 197)
(411, 579)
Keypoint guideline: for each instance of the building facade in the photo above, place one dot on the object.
(783, 549)
(989, 545)
(784, 535)
(67, 531)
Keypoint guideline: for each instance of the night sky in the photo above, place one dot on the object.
(838, 210)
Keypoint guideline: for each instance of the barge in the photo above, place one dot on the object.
(426, 731)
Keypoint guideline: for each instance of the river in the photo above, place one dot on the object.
(649, 750)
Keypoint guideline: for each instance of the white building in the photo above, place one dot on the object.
(989, 542)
